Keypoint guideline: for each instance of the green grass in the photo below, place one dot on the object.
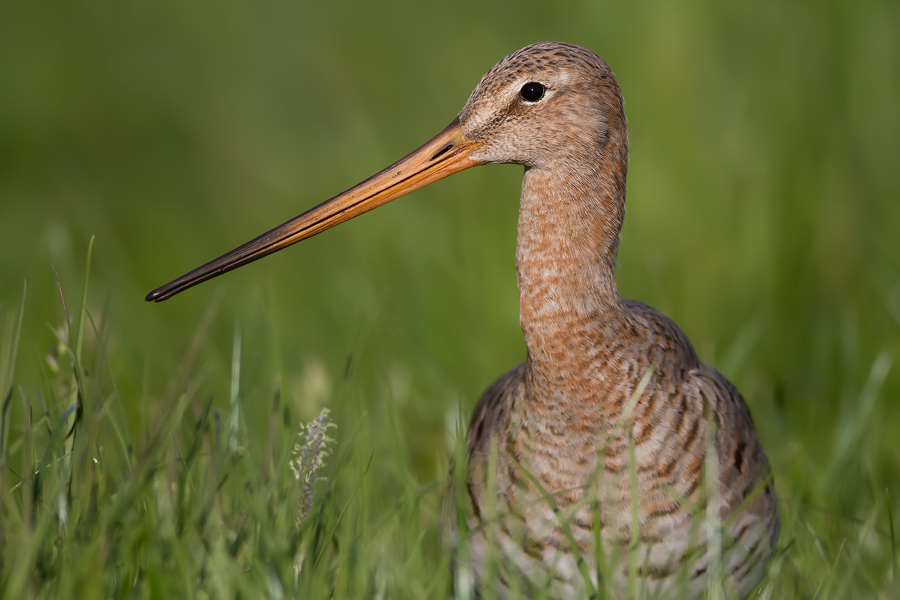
(145, 448)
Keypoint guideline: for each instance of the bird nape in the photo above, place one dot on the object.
(621, 463)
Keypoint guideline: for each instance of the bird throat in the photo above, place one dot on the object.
(568, 234)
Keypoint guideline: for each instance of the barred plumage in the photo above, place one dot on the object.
(612, 391)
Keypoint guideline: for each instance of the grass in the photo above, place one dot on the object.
(146, 448)
(199, 502)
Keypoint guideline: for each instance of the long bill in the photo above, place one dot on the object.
(445, 154)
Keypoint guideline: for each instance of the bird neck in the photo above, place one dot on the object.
(569, 224)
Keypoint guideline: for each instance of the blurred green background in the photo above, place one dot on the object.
(763, 210)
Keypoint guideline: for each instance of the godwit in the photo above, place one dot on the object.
(612, 440)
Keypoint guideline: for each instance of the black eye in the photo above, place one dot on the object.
(532, 92)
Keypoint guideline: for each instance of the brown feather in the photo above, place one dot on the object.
(575, 412)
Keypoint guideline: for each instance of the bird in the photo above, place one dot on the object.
(612, 462)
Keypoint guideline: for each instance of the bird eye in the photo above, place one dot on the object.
(532, 92)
